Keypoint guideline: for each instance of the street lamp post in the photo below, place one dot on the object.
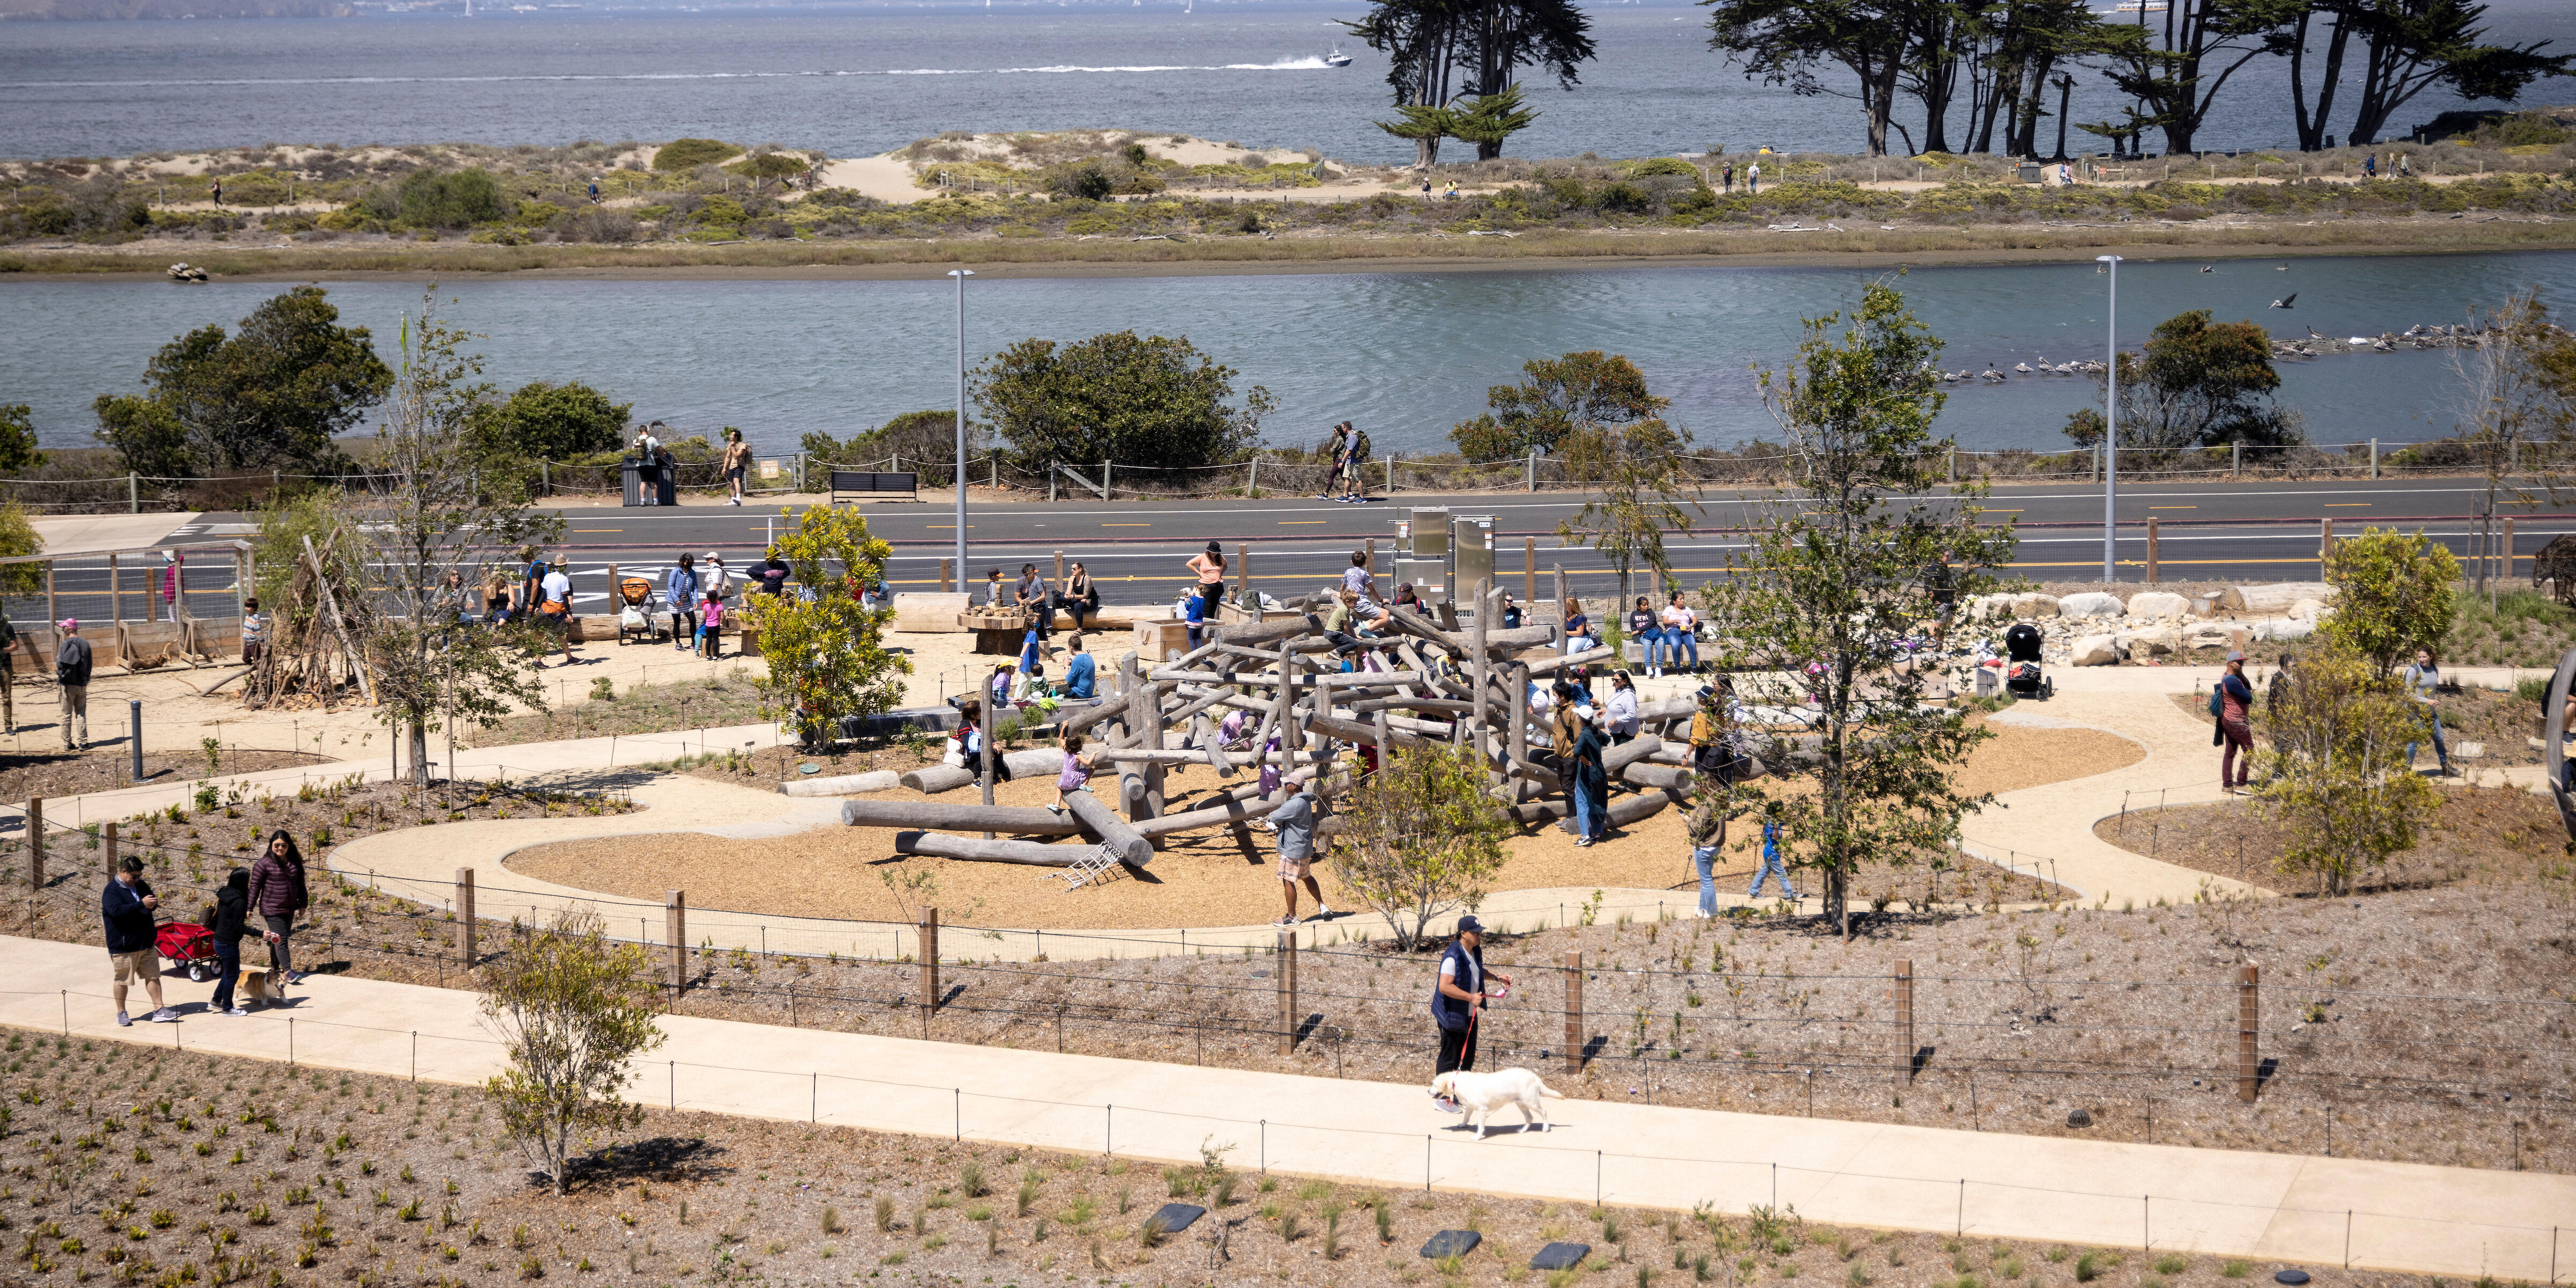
(2110, 431)
(961, 274)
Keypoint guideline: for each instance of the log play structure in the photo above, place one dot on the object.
(1459, 679)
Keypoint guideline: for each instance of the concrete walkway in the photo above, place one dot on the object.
(2273, 1207)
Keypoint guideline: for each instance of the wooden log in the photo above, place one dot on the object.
(1452, 705)
(1629, 809)
(962, 818)
(934, 779)
(1533, 772)
(1552, 665)
(1265, 632)
(1231, 812)
(940, 845)
(1107, 828)
(1078, 719)
(1667, 777)
(1359, 731)
(1147, 756)
(1641, 747)
(843, 784)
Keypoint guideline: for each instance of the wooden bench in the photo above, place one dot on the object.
(874, 485)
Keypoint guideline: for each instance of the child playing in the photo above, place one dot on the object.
(1077, 771)
(710, 620)
(1197, 619)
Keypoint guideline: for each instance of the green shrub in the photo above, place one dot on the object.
(689, 154)
(451, 199)
(1663, 165)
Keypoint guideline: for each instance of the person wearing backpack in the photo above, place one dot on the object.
(2229, 700)
(1354, 461)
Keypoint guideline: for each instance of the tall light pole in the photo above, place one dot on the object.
(2110, 433)
(961, 274)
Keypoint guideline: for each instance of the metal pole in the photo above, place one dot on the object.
(2111, 427)
(961, 274)
(134, 727)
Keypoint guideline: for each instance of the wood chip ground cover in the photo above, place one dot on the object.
(147, 1166)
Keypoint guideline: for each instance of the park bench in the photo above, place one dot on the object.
(874, 485)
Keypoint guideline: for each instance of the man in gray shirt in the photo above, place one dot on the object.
(1296, 823)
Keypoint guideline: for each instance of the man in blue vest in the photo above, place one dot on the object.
(1460, 997)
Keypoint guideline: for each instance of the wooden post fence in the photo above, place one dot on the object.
(2325, 545)
(1574, 1011)
(1287, 981)
(465, 917)
(111, 851)
(2249, 1032)
(35, 843)
(929, 953)
(1529, 571)
(1903, 994)
(2155, 572)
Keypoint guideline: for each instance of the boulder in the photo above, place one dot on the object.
(2307, 609)
(2034, 605)
(1984, 608)
(2158, 605)
(2276, 597)
(2091, 603)
(2154, 641)
(2093, 650)
(2207, 635)
(2276, 629)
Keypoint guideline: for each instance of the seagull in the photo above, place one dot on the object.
(2286, 301)
(2207, 269)
(2312, 334)
(2282, 268)
(2022, 367)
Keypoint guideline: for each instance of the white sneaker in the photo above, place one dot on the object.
(164, 1016)
(122, 1021)
(237, 1011)
(1321, 913)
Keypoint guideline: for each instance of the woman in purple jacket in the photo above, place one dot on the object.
(277, 891)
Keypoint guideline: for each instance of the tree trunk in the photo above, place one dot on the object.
(1426, 152)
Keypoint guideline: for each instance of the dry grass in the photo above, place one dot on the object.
(726, 695)
(2499, 837)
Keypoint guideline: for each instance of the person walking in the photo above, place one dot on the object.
(1354, 468)
(1295, 821)
(715, 581)
(1772, 864)
(171, 562)
(1458, 998)
(2405, 166)
(1729, 172)
(2423, 681)
(711, 615)
(277, 891)
(735, 462)
(1753, 179)
(71, 675)
(1591, 778)
(219, 191)
(2370, 165)
(680, 591)
(594, 192)
(2232, 699)
(1622, 712)
(1333, 450)
(126, 907)
(554, 608)
(232, 921)
(1081, 598)
(1707, 829)
(1647, 629)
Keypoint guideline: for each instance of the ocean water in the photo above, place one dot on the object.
(861, 80)
(1406, 355)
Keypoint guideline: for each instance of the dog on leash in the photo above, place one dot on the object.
(263, 986)
(1480, 1094)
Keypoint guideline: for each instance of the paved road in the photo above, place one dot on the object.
(2209, 531)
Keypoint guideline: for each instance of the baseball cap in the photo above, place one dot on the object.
(1468, 923)
(2236, 655)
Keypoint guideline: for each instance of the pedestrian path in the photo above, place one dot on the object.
(2282, 1209)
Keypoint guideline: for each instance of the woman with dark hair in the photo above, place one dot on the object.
(1209, 564)
(277, 892)
(1587, 785)
(232, 921)
(1081, 598)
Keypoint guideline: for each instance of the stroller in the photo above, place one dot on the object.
(638, 603)
(2021, 666)
(187, 946)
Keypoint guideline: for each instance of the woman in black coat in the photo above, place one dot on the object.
(1592, 779)
(232, 921)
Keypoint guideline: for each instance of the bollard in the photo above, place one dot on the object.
(134, 734)
(35, 843)
(2506, 549)
(1529, 571)
(1573, 967)
(2325, 545)
(465, 916)
(929, 937)
(947, 569)
(110, 833)
(675, 925)
(1903, 993)
(2374, 458)
(2249, 1026)
(1529, 472)
(1372, 556)
(1287, 980)
(2154, 572)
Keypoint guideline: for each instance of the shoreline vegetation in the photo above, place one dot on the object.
(1124, 203)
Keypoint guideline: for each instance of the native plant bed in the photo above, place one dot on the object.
(713, 700)
(266, 1175)
(2501, 723)
(188, 849)
(2497, 837)
(47, 770)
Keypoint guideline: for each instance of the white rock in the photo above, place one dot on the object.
(2155, 641)
(2206, 635)
(2157, 605)
(1985, 608)
(2274, 598)
(2034, 605)
(2283, 628)
(2091, 603)
(2093, 650)
(2307, 609)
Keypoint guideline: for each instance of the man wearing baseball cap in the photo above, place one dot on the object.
(1459, 998)
(126, 907)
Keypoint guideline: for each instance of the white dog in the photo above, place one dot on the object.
(1480, 1094)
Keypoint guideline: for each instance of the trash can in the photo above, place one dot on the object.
(631, 478)
(2030, 172)
(666, 484)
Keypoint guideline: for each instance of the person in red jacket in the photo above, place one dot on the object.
(277, 891)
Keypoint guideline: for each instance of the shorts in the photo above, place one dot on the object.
(1296, 869)
(145, 964)
(734, 475)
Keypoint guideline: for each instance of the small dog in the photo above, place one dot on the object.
(1480, 1094)
(262, 986)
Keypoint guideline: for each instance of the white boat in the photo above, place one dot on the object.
(1337, 58)
(2141, 6)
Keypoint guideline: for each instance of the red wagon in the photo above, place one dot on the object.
(187, 945)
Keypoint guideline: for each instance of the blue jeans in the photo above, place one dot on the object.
(1650, 648)
(1705, 859)
(2441, 751)
(227, 972)
(1771, 867)
(1675, 642)
(1582, 809)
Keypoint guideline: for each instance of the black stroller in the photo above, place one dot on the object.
(2022, 676)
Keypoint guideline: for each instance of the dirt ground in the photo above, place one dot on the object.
(2501, 725)
(1215, 878)
(49, 771)
(2480, 835)
(263, 1174)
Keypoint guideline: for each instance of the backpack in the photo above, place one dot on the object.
(1360, 446)
(2218, 699)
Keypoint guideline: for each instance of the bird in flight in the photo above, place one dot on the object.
(2207, 269)
(2286, 301)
